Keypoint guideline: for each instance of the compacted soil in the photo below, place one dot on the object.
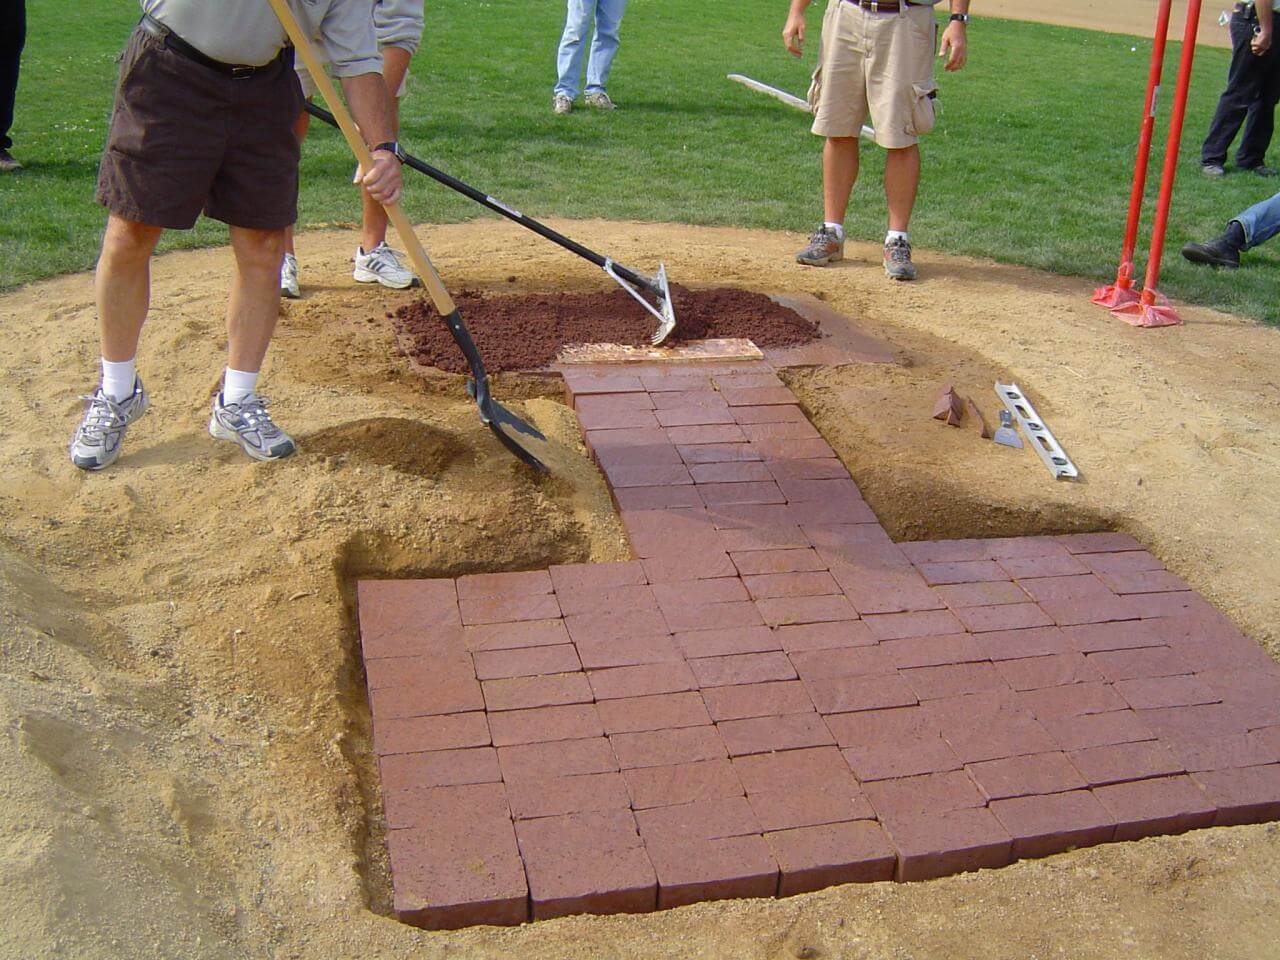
(185, 766)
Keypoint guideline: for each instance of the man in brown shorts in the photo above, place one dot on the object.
(877, 59)
(203, 121)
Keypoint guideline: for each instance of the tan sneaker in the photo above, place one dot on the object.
(600, 100)
(897, 260)
(824, 247)
(560, 104)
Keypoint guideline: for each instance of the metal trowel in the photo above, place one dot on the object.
(1007, 433)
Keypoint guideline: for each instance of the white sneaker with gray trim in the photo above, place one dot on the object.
(289, 277)
(381, 265)
(96, 444)
(249, 424)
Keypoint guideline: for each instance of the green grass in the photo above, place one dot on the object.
(1030, 164)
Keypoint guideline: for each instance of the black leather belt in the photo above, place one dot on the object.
(892, 6)
(178, 45)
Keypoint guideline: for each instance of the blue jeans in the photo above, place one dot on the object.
(604, 44)
(1261, 222)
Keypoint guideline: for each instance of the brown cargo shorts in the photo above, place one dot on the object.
(186, 138)
(879, 64)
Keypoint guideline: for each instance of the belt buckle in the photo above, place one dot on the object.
(242, 72)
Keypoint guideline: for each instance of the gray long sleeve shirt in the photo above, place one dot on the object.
(247, 31)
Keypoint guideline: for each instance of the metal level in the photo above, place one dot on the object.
(1041, 437)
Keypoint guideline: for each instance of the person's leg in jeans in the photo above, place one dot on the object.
(1243, 77)
(604, 44)
(1260, 122)
(13, 35)
(572, 47)
(1261, 222)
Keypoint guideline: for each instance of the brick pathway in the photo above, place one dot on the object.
(774, 697)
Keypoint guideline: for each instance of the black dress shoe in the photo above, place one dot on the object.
(1261, 170)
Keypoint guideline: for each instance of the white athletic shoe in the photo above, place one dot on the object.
(289, 277)
(96, 444)
(249, 424)
(381, 265)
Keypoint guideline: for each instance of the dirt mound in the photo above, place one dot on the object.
(526, 332)
(403, 445)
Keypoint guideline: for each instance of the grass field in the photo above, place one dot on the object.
(1030, 164)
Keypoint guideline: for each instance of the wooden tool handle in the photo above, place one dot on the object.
(417, 255)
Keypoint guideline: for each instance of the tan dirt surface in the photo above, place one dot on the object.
(185, 768)
(1136, 17)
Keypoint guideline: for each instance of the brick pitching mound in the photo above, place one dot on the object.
(527, 331)
(773, 697)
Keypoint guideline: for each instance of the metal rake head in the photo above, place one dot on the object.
(659, 289)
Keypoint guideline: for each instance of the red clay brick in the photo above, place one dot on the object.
(513, 636)
(629, 445)
(641, 681)
(815, 857)
(666, 380)
(560, 758)
(817, 768)
(1096, 729)
(929, 793)
(586, 863)
(1143, 581)
(1121, 762)
(748, 492)
(726, 641)
(772, 734)
(930, 683)
(628, 652)
(895, 626)
(618, 419)
(692, 565)
(1044, 825)
(1017, 644)
(781, 430)
(1054, 670)
(662, 532)
(656, 498)
(827, 468)
(801, 584)
(698, 592)
(681, 783)
(732, 516)
(739, 381)
(692, 416)
(758, 396)
(742, 668)
(1125, 635)
(1150, 693)
(986, 593)
(1147, 808)
(707, 433)
(451, 694)
(770, 699)
(711, 616)
(1054, 565)
(802, 637)
(636, 596)
(1074, 700)
(853, 694)
(981, 727)
(438, 768)
(964, 571)
(814, 449)
(714, 819)
(696, 453)
(887, 744)
(555, 796)
(478, 586)
(661, 748)
(397, 615)
(1144, 662)
(839, 662)
(678, 399)
(800, 491)
(830, 512)
(1244, 794)
(947, 551)
(569, 722)
(446, 732)
(780, 611)
(1098, 542)
(779, 413)
(938, 844)
(1013, 616)
(387, 672)
(1067, 613)
(1201, 753)
(1028, 775)
(1127, 561)
(760, 562)
(730, 868)
(747, 471)
(1070, 587)
(582, 382)
(509, 609)
(526, 662)
(520, 693)
(419, 806)
(596, 577)
(615, 625)
(789, 808)
(933, 651)
(782, 537)
(613, 401)
(665, 711)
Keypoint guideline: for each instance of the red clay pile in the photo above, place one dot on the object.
(527, 331)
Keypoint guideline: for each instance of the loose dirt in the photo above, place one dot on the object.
(186, 769)
(527, 331)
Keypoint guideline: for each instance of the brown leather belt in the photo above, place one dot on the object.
(875, 6)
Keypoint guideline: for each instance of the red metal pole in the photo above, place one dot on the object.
(1121, 292)
(1148, 312)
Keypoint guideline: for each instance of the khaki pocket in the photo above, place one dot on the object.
(815, 90)
(924, 107)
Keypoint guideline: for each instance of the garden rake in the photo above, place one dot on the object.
(656, 286)
(513, 432)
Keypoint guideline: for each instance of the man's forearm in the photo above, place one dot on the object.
(959, 6)
(799, 6)
(367, 97)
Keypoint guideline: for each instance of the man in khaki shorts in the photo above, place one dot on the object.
(877, 59)
(398, 25)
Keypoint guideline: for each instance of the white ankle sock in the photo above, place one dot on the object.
(895, 235)
(118, 379)
(837, 227)
(238, 384)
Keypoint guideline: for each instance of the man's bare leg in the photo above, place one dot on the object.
(254, 303)
(300, 127)
(901, 178)
(122, 285)
(395, 64)
(839, 173)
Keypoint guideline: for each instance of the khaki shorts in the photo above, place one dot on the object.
(876, 63)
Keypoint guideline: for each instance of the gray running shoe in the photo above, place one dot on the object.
(824, 247)
(560, 104)
(96, 444)
(1213, 170)
(600, 100)
(897, 260)
(249, 424)
(7, 162)
(289, 277)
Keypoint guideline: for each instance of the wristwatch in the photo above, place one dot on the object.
(392, 147)
(959, 18)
